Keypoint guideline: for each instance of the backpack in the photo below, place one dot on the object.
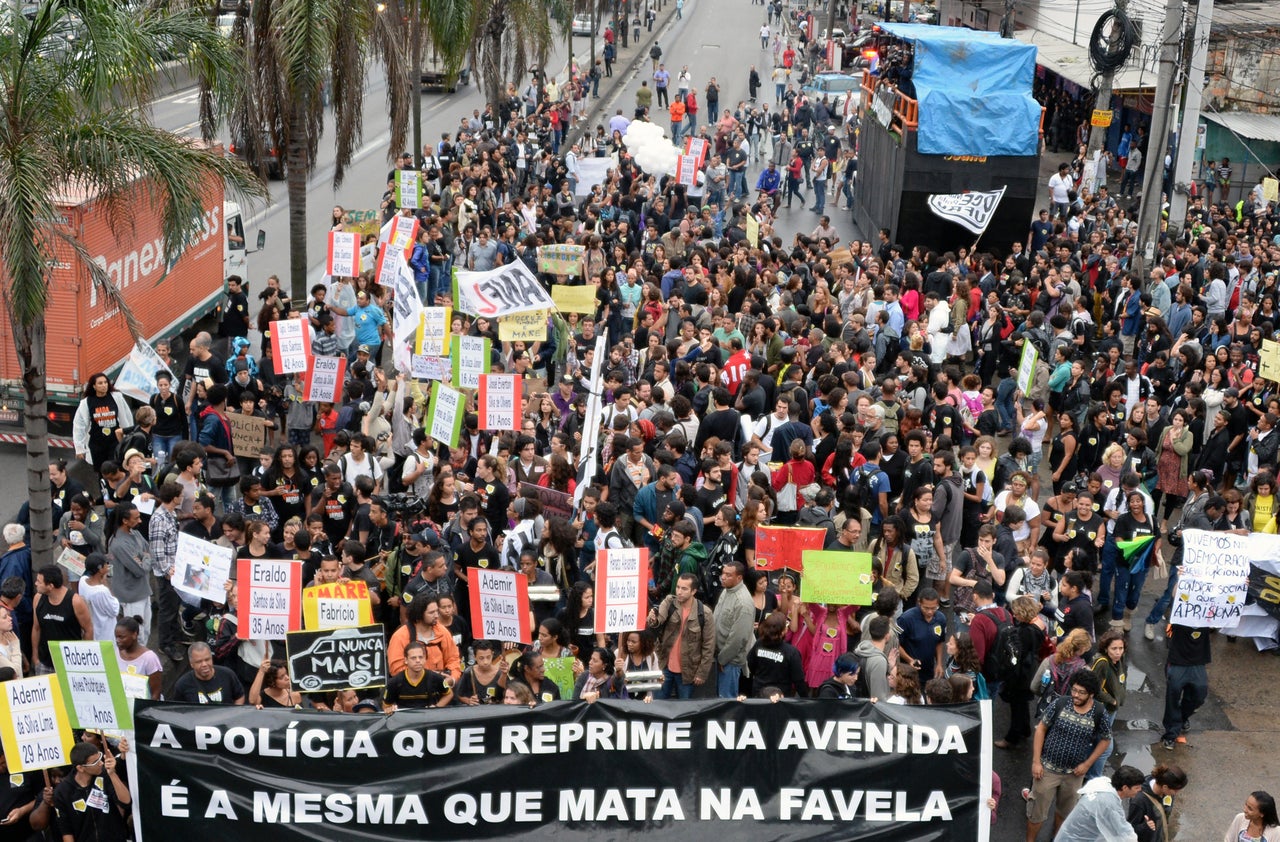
(133, 439)
(623, 543)
(721, 554)
(1004, 660)
(864, 491)
(861, 688)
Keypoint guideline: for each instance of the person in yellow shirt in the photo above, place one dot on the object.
(1262, 502)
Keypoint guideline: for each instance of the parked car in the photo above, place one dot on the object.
(582, 24)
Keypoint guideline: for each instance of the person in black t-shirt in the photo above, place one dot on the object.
(91, 803)
(335, 502)
(20, 796)
(415, 687)
(1075, 609)
(207, 684)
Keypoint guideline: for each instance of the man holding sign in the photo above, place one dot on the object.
(92, 802)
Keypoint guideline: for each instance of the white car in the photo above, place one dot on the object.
(582, 24)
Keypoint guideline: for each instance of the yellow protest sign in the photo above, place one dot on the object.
(366, 221)
(523, 327)
(1269, 358)
(561, 259)
(753, 231)
(336, 606)
(574, 299)
(34, 726)
(1100, 118)
(1271, 189)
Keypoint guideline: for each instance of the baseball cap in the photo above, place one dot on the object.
(567, 379)
(427, 537)
(363, 349)
(1232, 392)
(365, 705)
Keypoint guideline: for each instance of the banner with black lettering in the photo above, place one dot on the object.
(747, 771)
(507, 289)
(337, 659)
(973, 210)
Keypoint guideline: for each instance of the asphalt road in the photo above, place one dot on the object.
(1231, 751)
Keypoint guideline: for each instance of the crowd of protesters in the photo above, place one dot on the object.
(868, 390)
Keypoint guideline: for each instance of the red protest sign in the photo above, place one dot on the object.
(324, 379)
(404, 233)
(499, 402)
(269, 598)
(499, 605)
(622, 590)
(783, 547)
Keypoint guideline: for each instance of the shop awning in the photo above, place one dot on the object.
(1249, 126)
(1071, 62)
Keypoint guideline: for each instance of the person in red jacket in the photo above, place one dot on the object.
(795, 179)
(798, 472)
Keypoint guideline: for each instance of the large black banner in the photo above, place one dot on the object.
(796, 770)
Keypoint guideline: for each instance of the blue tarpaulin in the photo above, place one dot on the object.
(974, 91)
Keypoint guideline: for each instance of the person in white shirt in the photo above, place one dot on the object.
(1059, 184)
(764, 37)
(104, 608)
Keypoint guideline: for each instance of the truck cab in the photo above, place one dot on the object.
(235, 254)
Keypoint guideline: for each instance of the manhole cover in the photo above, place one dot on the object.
(1142, 725)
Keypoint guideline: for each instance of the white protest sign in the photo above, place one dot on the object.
(507, 289)
(137, 377)
(426, 367)
(445, 410)
(344, 254)
(471, 359)
(33, 724)
(202, 568)
(1027, 366)
(499, 401)
(622, 592)
(291, 345)
(404, 233)
(499, 605)
(973, 211)
(89, 672)
(1213, 582)
(686, 169)
(409, 189)
(269, 603)
(324, 379)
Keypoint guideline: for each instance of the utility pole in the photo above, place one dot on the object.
(1102, 101)
(1006, 22)
(1183, 160)
(1152, 183)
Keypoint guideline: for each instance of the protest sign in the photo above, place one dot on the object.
(698, 148)
(352, 658)
(499, 605)
(423, 367)
(559, 671)
(405, 301)
(324, 379)
(409, 189)
(558, 503)
(34, 727)
(837, 577)
(753, 230)
(561, 259)
(291, 345)
(137, 377)
(363, 222)
(523, 327)
(433, 331)
(686, 169)
(1271, 189)
(268, 598)
(387, 266)
(344, 254)
(622, 589)
(89, 674)
(507, 289)
(248, 434)
(1264, 589)
(593, 171)
(445, 413)
(750, 772)
(71, 561)
(1027, 366)
(336, 606)
(471, 358)
(783, 547)
(1213, 583)
(202, 568)
(1269, 359)
(575, 299)
(499, 402)
(404, 234)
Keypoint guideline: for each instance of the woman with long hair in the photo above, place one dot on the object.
(579, 620)
(904, 681)
(1030, 636)
(1172, 451)
(962, 659)
(442, 500)
(100, 421)
(1109, 664)
(529, 671)
(559, 475)
(1257, 823)
(1053, 677)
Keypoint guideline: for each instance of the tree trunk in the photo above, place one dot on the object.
(491, 66)
(296, 172)
(30, 345)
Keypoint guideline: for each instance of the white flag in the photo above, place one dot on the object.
(972, 210)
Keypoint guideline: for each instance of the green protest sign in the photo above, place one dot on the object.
(445, 414)
(837, 577)
(89, 673)
(560, 673)
(471, 358)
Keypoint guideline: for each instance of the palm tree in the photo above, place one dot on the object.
(304, 55)
(76, 77)
(511, 36)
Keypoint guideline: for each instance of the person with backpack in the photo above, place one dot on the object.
(871, 487)
(1072, 735)
(994, 638)
(1016, 686)
(684, 621)
(1109, 664)
(872, 681)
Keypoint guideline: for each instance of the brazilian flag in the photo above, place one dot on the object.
(1137, 551)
